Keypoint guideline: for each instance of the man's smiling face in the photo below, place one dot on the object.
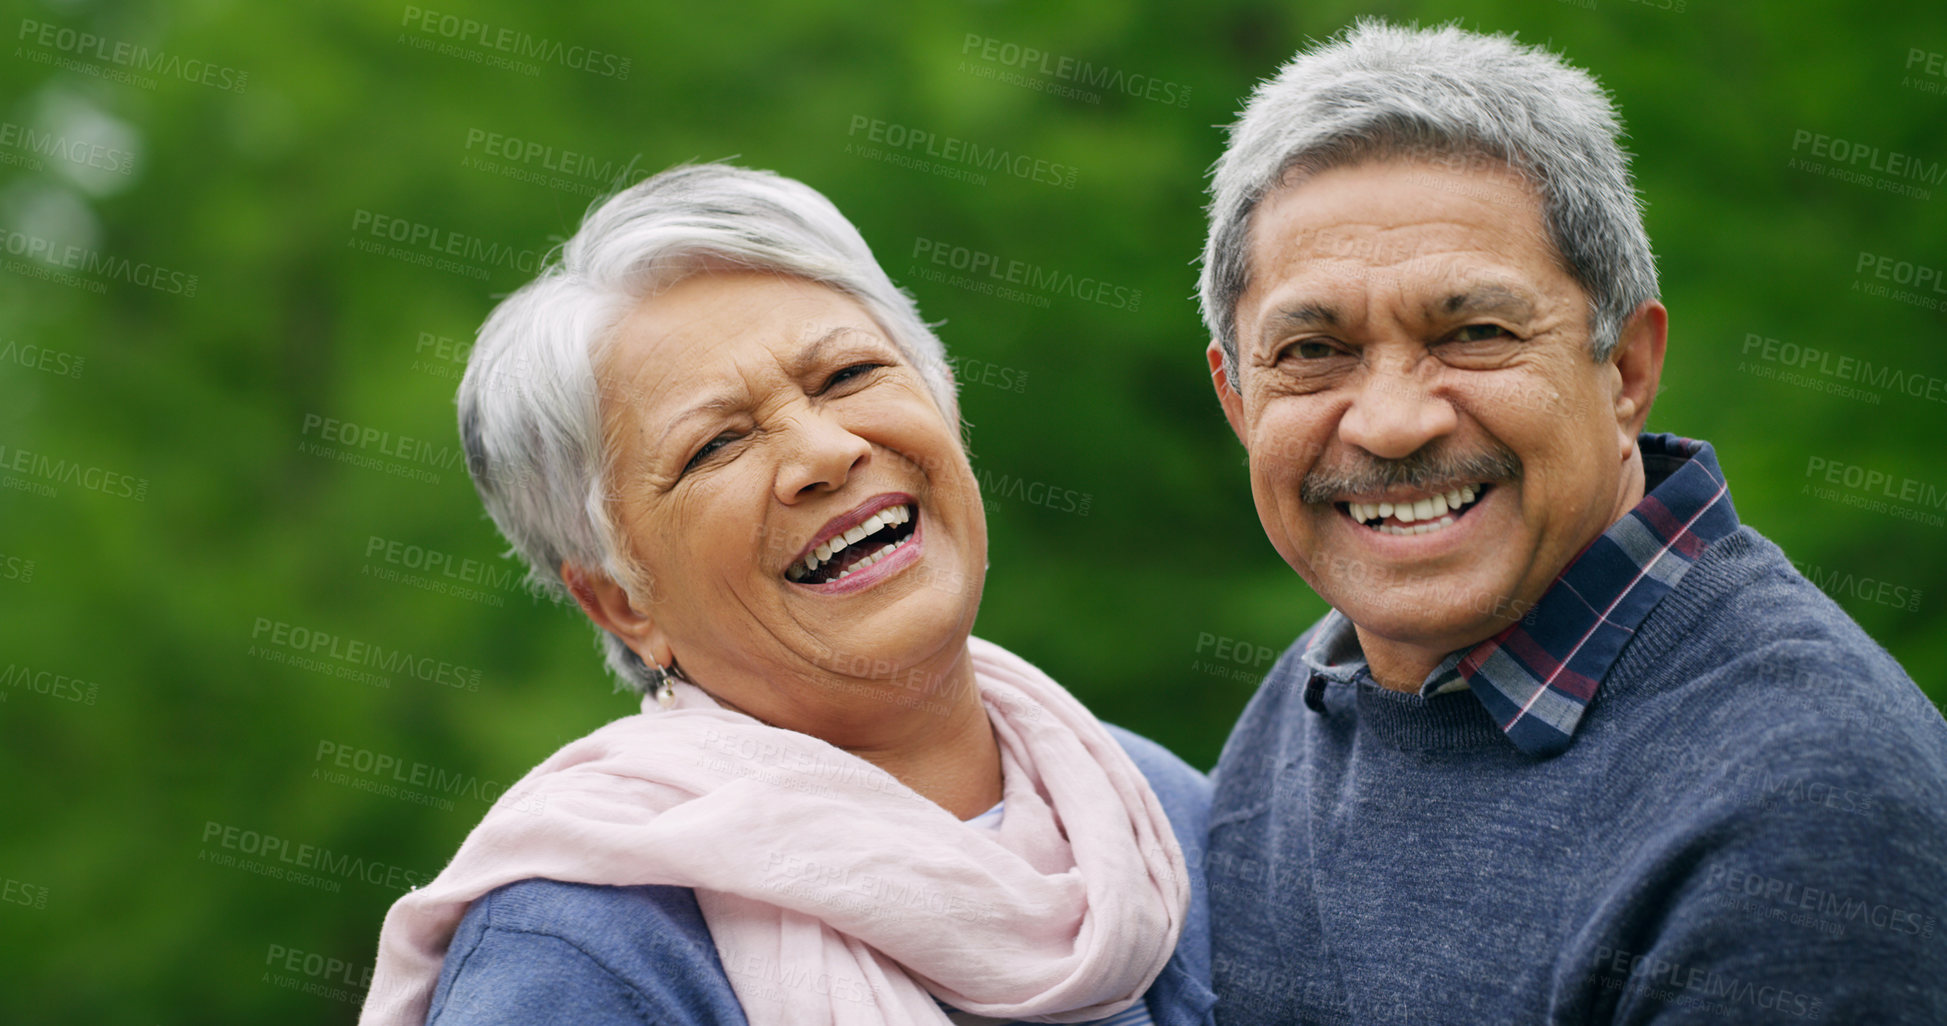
(1430, 442)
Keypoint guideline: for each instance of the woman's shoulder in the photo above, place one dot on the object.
(608, 954)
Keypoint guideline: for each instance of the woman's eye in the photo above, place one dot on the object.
(1480, 333)
(709, 448)
(852, 373)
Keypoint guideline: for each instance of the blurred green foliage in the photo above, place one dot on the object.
(170, 726)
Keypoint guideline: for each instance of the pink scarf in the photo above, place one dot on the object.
(806, 857)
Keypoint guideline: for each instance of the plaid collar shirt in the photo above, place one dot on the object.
(1537, 677)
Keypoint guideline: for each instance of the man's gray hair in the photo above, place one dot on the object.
(1381, 91)
(529, 403)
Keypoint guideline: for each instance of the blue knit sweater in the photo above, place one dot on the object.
(1750, 825)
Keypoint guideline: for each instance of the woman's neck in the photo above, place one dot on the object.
(946, 750)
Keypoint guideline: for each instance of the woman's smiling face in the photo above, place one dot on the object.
(799, 506)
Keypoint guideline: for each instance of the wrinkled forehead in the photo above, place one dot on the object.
(721, 338)
(1401, 225)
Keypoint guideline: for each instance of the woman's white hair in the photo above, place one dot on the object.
(1381, 91)
(529, 404)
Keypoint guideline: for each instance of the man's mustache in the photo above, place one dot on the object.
(1429, 470)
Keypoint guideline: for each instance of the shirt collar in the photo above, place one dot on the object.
(1537, 677)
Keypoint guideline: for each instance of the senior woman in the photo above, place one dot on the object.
(722, 431)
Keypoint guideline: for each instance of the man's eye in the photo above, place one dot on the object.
(708, 449)
(1312, 349)
(1480, 333)
(852, 373)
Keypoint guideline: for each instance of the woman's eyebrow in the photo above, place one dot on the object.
(813, 352)
(708, 407)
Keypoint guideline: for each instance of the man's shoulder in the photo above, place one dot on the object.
(1183, 790)
(1755, 652)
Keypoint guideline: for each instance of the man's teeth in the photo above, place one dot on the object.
(1424, 515)
(823, 554)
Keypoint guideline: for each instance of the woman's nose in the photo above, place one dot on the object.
(820, 454)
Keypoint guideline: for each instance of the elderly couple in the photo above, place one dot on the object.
(1572, 746)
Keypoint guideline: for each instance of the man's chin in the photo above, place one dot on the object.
(1456, 630)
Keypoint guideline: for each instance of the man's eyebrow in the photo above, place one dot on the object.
(1484, 299)
(1296, 318)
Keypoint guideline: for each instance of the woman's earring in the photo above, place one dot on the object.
(662, 683)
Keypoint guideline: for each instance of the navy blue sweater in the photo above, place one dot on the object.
(1749, 826)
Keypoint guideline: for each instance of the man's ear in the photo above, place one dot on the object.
(1227, 396)
(614, 610)
(1638, 358)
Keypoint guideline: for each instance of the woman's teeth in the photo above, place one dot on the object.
(1421, 516)
(891, 516)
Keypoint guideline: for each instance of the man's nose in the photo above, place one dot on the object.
(1395, 413)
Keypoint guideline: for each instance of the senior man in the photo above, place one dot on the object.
(1573, 745)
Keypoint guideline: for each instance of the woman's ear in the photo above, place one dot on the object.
(614, 610)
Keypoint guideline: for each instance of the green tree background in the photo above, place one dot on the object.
(145, 734)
